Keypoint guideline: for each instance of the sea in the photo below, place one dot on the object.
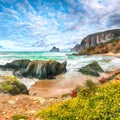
(108, 63)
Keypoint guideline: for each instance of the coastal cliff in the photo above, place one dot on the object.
(97, 38)
(110, 47)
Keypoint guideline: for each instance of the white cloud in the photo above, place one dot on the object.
(48, 27)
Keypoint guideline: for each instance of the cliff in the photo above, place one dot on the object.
(54, 49)
(112, 46)
(97, 38)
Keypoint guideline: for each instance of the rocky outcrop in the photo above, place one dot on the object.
(10, 85)
(112, 47)
(91, 69)
(97, 38)
(42, 69)
(54, 49)
(16, 64)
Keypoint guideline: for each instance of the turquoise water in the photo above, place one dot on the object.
(10, 56)
(73, 62)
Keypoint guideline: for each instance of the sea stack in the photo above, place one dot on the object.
(54, 49)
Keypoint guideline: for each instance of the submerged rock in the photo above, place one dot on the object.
(42, 69)
(91, 69)
(10, 85)
(16, 64)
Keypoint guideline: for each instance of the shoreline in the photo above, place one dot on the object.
(111, 54)
(63, 84)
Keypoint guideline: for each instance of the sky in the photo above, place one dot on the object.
(38, 25)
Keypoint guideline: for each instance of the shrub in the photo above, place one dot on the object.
(73, 93)
(10, 79)
(18, 117)
(90, 84)
(65, 95)
(104, 105)
(102, 80)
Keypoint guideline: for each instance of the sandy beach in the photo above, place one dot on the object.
(112, 54)
(65, 83)
(61, 85)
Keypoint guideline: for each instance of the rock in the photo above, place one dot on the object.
(12, 102)
(54, 49)
(10, 85)
(16, 64)
(91, 69)
(111, 47)
(42, 69)
(97, 38)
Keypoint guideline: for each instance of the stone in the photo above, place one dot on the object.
(54, 49)
(91, 69)
(42, 69)
(16, 64)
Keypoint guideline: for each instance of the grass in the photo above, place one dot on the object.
(9, 82)
(19, 117)
(102, 104)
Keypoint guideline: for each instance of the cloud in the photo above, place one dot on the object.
(114, 20)
(42, 24)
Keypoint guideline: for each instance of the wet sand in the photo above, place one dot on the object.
(61, 85)
(112, 54)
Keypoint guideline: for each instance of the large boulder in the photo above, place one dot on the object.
(10, 85)
(91, 69)
(16, 64)
(42, 69)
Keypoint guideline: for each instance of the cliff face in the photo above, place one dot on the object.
(97, 38)
(112, 46)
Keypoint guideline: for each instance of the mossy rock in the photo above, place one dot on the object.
(11, 85)
(91, 69)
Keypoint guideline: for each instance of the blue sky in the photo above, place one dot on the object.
(38, 25)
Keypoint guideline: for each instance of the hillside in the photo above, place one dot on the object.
(93, 102)
(97, 38)
(112, 46)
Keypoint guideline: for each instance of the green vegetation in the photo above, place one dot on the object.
(20, 117)
(91, 85)
(12, 86)
(94, 102)
(9, 82)
(111, 46)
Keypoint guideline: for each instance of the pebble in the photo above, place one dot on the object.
(12, 102)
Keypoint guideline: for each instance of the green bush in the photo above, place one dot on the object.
(18, 117)
(91, 85)
(103, 105)
(12, 86)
